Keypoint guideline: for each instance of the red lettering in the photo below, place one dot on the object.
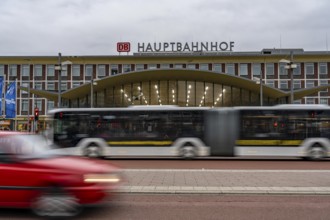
(123, 46)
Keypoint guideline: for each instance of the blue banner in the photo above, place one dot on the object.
(10, 100)
(1, 90)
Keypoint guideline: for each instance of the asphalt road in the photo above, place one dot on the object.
(191, 207)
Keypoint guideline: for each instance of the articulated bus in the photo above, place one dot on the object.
(283, 130)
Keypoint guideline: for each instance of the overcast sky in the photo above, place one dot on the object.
(93, 27)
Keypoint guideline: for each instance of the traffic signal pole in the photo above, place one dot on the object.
(36, 118)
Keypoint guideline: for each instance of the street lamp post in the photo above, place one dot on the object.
(59, 80)
(290, 66)
(59, 67)
(259, 81)
(93, 83)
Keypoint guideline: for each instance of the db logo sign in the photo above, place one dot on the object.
(123, 47)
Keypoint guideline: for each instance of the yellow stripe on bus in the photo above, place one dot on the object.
(141, 143)
(268, 142)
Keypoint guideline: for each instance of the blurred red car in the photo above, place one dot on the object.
(31, 176)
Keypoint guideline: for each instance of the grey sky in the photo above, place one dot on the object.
(93, 27)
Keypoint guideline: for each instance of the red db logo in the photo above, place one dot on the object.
(123, 47)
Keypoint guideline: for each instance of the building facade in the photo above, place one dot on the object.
(214, 79)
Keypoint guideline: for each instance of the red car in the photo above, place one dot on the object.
(31, 176)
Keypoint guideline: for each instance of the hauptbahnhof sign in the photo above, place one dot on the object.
(178, 47)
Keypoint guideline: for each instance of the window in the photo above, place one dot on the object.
(309, 84)
(64, 71)
(323, 69)
(25, 105)
(256, 69)
(243, 69)
(24, 84)
(64, 86)
(50, 70)
(231, 68)
(152, 66)
(75, 84)
(310, 101)
(89, 70)
(283, 84)
(204, 66)
(296, 84)
(12, 70)
(297, 71)
(114, 69)
(139, 67)
(75, 70)
(165, 66)
(101, 70)
(217, 67)
(178, 66)
(38, 85)
(270, 83)
(25, 70)
(270, 69)
(50, 105)
(191, 66)
(324, 83)
(126, 68)
(2, 70)
(50, 86)
(309, 69)
(38, 70)
(282, 69)
(324, 101)
(38, 103)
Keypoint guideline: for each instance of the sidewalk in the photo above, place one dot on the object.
(315, 182)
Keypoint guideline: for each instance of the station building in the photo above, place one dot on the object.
(194, 78)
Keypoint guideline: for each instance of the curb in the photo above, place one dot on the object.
(225, 190)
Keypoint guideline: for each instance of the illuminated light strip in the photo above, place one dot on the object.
(91, 180)
(142, 95)
(203, 97)
(100, 178)
(159, 143)
(157, 91)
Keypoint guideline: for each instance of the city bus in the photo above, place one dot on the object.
(282, 130)
(131, 131)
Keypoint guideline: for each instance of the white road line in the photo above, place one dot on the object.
(226, 171)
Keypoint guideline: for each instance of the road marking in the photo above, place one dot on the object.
(226, 171)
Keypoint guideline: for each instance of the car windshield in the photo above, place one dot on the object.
(27, 146)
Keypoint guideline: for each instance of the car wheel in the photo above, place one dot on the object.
(92, 151)
(317, 152)
(56, 203)
(188, 152)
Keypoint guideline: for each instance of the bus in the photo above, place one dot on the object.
(282, 130)
(132, 131)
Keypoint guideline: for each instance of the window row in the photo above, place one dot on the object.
(102, 70)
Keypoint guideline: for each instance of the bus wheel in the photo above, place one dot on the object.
(187, 152)
(317, 152)
(92, 151)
